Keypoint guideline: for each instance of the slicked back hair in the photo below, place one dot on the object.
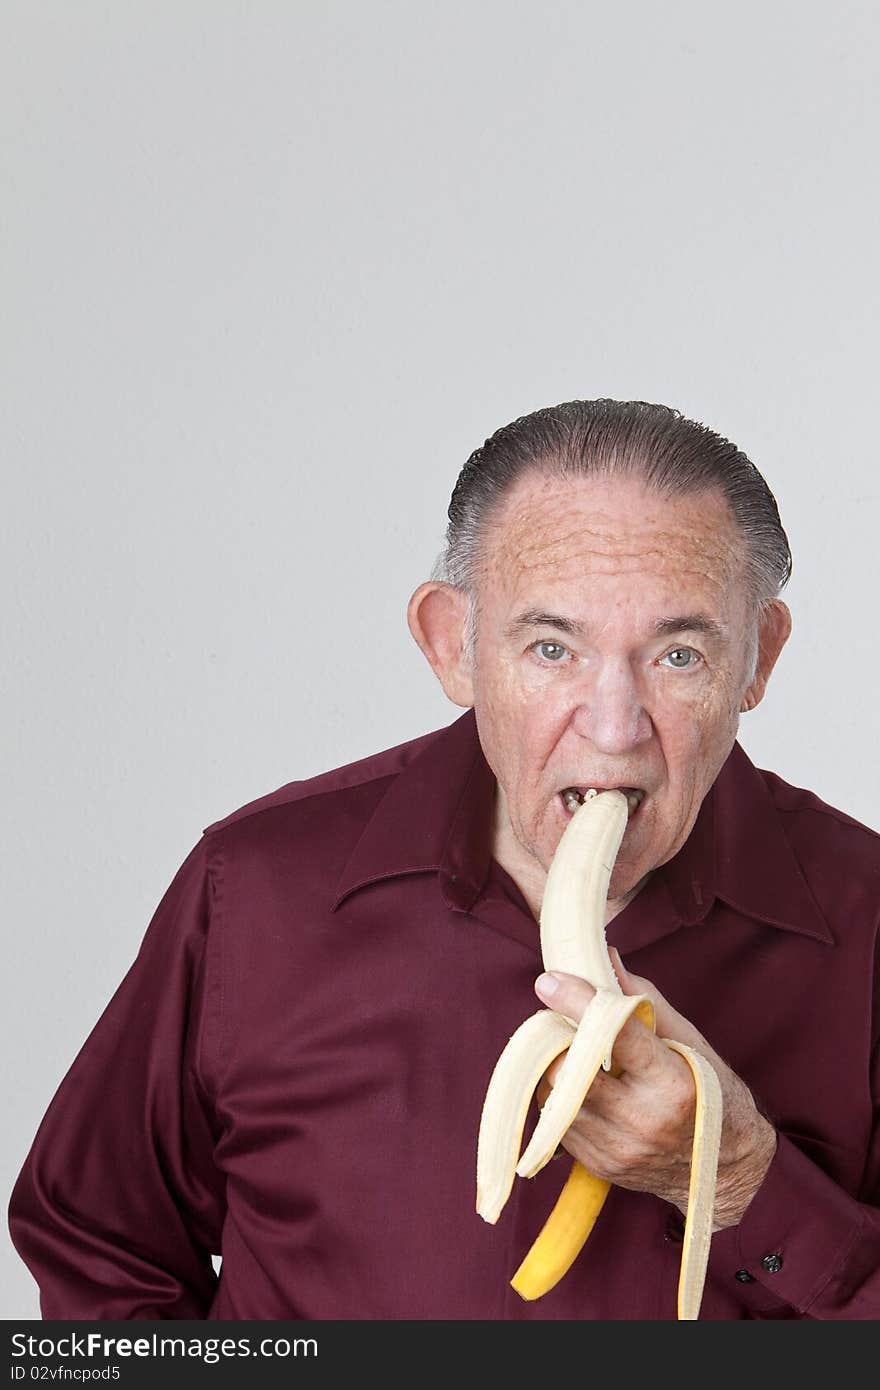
(608, 438)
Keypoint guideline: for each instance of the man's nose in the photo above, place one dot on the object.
(609, 710)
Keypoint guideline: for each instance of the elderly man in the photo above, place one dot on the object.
(293, 1070)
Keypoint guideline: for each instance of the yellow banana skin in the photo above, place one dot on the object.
(563, 1234)
(573, 940)
(701, 1190)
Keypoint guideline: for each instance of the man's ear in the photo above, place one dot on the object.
(437, 616)
(774, 627)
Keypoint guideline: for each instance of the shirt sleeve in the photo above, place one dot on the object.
(119, 1205)
(806, 1247)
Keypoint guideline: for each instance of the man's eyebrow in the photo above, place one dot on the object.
(535, 617)
(689, 622)
(663, 627)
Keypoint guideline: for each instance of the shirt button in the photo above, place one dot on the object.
(744, 1277)
(772, 1263)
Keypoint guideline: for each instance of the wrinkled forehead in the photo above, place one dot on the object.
(557, 531)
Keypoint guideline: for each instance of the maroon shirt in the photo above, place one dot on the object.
(293, 1069)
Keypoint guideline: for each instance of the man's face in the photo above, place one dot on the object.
(633, 676)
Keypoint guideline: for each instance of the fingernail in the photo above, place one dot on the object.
(546, 986)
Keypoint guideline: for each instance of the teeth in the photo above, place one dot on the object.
(573, 798)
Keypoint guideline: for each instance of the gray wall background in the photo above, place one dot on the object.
(270, 271)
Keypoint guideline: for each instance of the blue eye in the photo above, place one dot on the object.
(555, 646)
(683, 651)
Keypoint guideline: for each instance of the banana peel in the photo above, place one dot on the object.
(573, 941)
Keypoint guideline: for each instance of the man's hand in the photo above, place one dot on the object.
(636, 1129)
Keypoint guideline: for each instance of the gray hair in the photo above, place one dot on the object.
(656, 443)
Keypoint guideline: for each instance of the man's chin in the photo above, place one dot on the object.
(624, 885)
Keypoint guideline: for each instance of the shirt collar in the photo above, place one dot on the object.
(756, 869)
(437, 812)
(436, 815)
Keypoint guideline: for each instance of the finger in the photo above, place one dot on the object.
(569, 995)
(594, 1141)
(548, 1080)
(637, 1049)
(566, 994)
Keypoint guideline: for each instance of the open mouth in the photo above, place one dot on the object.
(573, 797)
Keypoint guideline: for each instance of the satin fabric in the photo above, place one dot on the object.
(291, 1073)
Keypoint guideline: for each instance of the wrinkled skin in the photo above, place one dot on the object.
(636, 1130)
(615, 703)
(554, 709)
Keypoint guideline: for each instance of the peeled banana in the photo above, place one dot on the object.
(572, 929)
